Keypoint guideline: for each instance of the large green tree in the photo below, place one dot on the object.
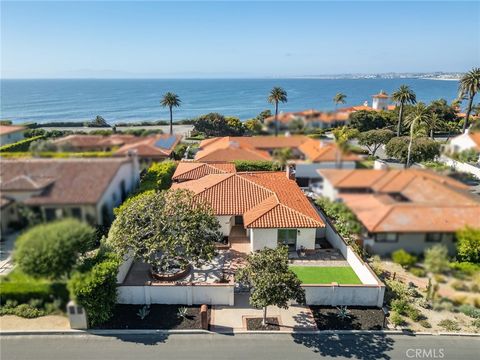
(404, 95)
(373, 139)
(272, 282)
(277, 95)
(423, 149)
(469, 86)
(420, 116)
(170, 100)
(215, 124)
(165, 229)
(468, 244)
(365, 120)
(52, 250)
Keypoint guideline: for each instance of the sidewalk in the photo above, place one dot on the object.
(50, 322)
(232, 318)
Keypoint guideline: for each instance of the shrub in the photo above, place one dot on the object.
(400, 306)
(423, 149)
(51, 250)
(396, 289)
(439, 278)
(417, 271)
(476, 324)
(403, 258)
(459, 285)
(449, 325)
(459, 299)
(436, 259)
(158, 176)
(466, 268)
(245, 165)
(425, 323)
(96, 289)
(469, 310)
(396, 319)
(468, 245)
(443, 304)
(23, 310)
(413, 313)
(22, 145)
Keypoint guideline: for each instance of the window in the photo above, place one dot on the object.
(434, 237)
(386, 237)
(49, 214)
(288, 237)
(77, 213)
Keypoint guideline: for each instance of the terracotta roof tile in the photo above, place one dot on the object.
(192, 170)
(7, 129)
(152, 146)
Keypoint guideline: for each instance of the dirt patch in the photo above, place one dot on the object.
(50, 322)
(272, 323)
(159, 317)
(360, 318)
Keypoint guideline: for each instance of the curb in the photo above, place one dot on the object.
(235, 332)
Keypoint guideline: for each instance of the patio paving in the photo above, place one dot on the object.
(328, 257)
(231, 318)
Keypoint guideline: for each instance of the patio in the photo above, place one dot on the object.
(319, 257)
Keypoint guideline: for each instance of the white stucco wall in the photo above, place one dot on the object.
(11, 138)
(306, 238)
(225, 224)
(461, 143)
(309, 170)
(260, 238)
(349, 295)
(214, 294)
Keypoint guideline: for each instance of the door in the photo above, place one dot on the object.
(288, 237)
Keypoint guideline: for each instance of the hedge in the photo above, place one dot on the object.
(22, 145)
(158, 176)
(245, 165)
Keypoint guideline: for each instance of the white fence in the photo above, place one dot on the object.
(350, 295)
(186, 294)
(460, 166)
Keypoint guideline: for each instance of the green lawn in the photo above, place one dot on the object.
(326, 274)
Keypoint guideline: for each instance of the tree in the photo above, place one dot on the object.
(469, 86)
(404, 95)
(97, 122)
(433, 123)
(373, 139)
(51, 250)
(364, 120)
(296, 126)
(282, 156)
(468, 245)
(166, 229)
(444, 111)
(339, 98)
(236, 126)
(254, 126)
(158, 176)
(277, 94)
(263, 115)
(214, 124)
(170, 100)
(419, 116)
(272, 282)
(342, 136)
(436, 259)
(423, 149)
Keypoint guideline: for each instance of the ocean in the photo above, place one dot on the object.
(136, 100)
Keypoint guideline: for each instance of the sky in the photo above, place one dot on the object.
(235, 39)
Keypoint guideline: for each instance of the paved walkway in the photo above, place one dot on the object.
(229, 318)
(6, 249)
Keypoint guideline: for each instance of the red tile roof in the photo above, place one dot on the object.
(8, 129)
(265, 199)
(151, 146)
(92, 142)
(192, 170)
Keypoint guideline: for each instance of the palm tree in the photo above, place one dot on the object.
(469, 86)
(170, 100)
(277, 94)
(434, 122)
(342, 136)
(419, 116)
(404, 95)
(339, 99)
(282, 156)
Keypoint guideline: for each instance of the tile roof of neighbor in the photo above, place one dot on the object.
(255, 148)
(265, 199)
(310, 115)
(152, 146)
(475, 136)
(95, 141)
(193, 170)
(8, 129)
(60, 181)
(434, 203)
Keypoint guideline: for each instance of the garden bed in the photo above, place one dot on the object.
(272, 323)
(361, 318)
(160, 317)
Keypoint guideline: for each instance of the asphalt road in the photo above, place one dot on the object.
(240, 346)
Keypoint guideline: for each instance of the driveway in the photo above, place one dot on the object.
(230, 318)
(6, 249)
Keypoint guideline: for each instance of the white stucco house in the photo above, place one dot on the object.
(463, 142)
(87, 189)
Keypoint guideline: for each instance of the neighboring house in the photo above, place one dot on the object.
(380, 102)
(404, 209)
(467, 141)
(308, 154)
(310, 118)
(148, 148)
(87, 189)
(10, 134)
(259, 209)
(193, 170)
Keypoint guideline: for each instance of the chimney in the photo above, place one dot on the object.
(290, 171)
